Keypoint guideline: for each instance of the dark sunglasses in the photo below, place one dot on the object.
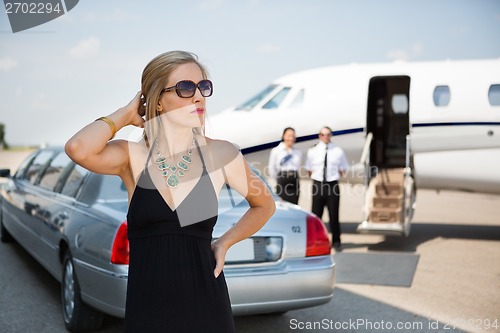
(187, 88)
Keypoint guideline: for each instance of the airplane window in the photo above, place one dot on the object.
(494, 94)
(298, 101)
(248, 105)
(274, 102)
(399, 103)
(441, 96)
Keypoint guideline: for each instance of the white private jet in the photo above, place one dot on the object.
(402, 125)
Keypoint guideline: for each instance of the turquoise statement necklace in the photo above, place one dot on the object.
(172, 172)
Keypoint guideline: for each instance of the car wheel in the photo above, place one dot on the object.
(5, 236)
(78, 317)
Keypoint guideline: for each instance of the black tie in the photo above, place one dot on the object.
(325, 164)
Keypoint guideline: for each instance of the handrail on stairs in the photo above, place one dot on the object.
(407, 156)
(365, 157)
(366, 148)
(365, 160)
(406, 175)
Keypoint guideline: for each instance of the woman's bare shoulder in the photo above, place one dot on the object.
(222, 144)
(223, 152)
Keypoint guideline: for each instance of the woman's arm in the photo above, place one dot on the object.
(262, 207)
(90, 147)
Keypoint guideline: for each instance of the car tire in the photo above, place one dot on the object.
(5, 236)
(78, 316)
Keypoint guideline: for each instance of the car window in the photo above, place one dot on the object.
(24, 166)
(37, 166)
(54, 171)
(74, 181)
(112, 189)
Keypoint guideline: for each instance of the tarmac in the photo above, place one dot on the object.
(456, 237)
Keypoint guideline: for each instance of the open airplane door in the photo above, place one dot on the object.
(389, 175)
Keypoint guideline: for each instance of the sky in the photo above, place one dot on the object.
(59, 76)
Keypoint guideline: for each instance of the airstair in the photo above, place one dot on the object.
(389, 200)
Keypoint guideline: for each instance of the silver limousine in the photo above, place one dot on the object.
(74, 223)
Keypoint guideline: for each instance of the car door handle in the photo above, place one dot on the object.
(60, 218)
(31, 209)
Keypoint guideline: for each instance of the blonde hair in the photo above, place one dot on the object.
(154, 78)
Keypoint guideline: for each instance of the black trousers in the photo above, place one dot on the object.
(288, 186)
(327, 194)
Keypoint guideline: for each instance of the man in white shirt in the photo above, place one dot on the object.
(326, 163)
(284, 166)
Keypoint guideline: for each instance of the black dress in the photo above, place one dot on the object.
(171, 284)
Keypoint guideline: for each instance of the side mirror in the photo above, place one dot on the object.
(4, 173)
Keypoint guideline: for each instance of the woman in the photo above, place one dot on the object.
(175, 281)
(284, 166)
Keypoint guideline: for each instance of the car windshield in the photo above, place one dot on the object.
(252, 102)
